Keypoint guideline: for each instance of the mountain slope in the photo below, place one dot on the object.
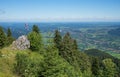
(102, 55)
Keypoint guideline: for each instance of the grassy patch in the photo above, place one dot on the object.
(7, 61)
(117, 55)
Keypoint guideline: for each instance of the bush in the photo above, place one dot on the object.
(35, 41)
(21, 63)
(29, 65)
(2, 38)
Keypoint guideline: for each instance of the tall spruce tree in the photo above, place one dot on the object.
(2, 38)
(75, 46)
(66, 46)
(109, 68)
(57, 39)
(95, 66)
(9, 38)
(67, 41)
(9, 33)
(69, 52)
(35, 39)
(35, 29)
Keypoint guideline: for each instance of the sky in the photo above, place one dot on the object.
(59, 10)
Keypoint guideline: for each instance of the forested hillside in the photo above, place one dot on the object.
(56, 57)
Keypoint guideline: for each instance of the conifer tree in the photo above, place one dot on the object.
(9, 33)
(95, 66)
(66, 46)
(9, 38)
(67, 42)
(109, 68)
(35, 39)
(57, 39)
(35, 29)
(2, 38)
(75, 46)
(69, 52)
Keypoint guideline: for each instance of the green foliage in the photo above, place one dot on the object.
(98, 53)
(57, 66)
(35, 41)
(57, 39)
(6, 62)
(61, 59)
(2, 38)
(28, 64)
(102, 55)
(95, 66)
(67, 42)
(47, 64)
(9, 38)
(109, 68)
(21, 63)
(87, 73)
(70, 53)
(35, 29)
(75, 46)
(67, 46)
(83, 61)
(117, 55)
(9, 33)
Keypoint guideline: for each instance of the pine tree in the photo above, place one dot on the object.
(2, 38)
(9, 38)
(67, 51)
(35, 29)
(66, 46)
(109, 68)
(35, 39)
(67, 41)
(70, 53)
(9, 33)
(55, 66)
(75, 46)
(57, 40)
(95, 66)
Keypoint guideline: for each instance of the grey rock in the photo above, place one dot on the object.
(21, 43)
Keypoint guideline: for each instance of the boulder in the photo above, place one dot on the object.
(21, 43)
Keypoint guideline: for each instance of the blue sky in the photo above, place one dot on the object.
(59, 10)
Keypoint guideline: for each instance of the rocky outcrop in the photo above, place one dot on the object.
(21, 43)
